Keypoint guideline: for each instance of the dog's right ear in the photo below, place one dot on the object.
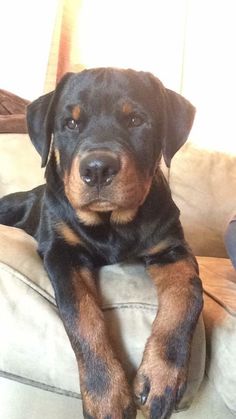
(40, 120)
(39, 127)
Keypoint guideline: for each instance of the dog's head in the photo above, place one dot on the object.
(107, 129)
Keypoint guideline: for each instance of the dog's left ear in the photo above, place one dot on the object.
(40, 120)
(179, 120)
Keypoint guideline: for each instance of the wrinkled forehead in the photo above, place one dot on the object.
(99, 88)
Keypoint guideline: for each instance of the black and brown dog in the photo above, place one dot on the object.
(101, 135)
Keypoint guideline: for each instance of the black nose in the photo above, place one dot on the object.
(99, 169)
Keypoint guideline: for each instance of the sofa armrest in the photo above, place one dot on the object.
(219, 282)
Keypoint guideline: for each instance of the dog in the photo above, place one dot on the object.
(101, 135)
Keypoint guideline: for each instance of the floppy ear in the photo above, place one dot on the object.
(40, 120)
(38, 125)
(179, 119)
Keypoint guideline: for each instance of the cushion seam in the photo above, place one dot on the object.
(52, 389)
(38, 384)
(217, 300)
(51, 300)
(26, 280)
(130, 305)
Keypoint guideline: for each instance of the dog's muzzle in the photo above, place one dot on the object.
(98, 168)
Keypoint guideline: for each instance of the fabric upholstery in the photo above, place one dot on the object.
(34, 345)
(20, 164)
(202, 184)
(219, 279)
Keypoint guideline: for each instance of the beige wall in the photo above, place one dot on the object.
(189, 44)
(141, 34)
(209, 78)
(25, 37)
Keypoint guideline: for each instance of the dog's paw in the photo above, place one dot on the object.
(117, 412)
(116, 402)
(158, 388)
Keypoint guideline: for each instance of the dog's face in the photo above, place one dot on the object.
(109, 129)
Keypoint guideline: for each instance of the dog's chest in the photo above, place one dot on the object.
(110, 246)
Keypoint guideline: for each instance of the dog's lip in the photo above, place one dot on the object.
(102, 205)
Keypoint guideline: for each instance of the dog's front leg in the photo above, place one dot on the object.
(104, 388)
(161, 378)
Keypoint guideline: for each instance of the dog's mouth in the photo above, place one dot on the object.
(101, 205)
(96, 190)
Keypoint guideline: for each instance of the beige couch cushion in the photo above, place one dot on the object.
(34, 346)
(20, 165)
(203, 185)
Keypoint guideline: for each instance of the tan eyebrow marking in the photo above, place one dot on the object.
(127, 108)
(76, 111)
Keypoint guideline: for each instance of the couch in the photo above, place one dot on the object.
(38, 372)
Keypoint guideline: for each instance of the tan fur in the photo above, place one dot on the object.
(157, 248)
(68, 234)
(89, 218)
(76, 111)
(92, 330)
(75, 192)
(127, 108)
(73, 184)
(131, 187)
(123, 216)
(57, 156)
(172, 283)
(172, 273)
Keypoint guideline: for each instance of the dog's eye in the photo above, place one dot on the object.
(134, 120)
(72, 124)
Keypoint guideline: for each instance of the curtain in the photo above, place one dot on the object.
(60, 58)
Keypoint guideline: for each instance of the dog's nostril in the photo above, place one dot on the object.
(99, 169)
(107, 173)
(88, 176)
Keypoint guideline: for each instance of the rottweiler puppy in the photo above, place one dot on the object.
(101, 135)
